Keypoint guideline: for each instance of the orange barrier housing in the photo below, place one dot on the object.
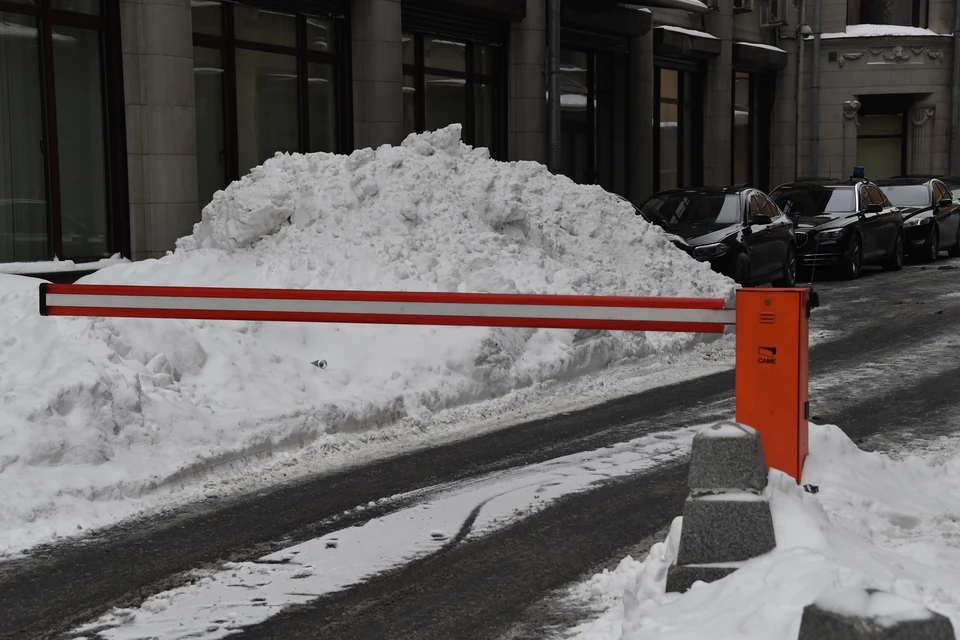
(772, 372)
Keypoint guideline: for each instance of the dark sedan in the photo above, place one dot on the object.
(843, 224)
(931, 216)
(738, 230)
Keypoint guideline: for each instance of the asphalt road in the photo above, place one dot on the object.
(890, 375)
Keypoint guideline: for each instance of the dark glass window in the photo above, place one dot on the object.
(679, 111)
(55, 168)
(742, 166)
(448, 81)
(893, 12)
(670, 152)
(265, 82)
(880, 145)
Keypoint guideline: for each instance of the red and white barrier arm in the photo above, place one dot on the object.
(694, 315)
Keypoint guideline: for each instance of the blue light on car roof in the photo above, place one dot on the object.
(858, 172)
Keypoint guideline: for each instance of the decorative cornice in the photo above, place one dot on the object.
(898, 53)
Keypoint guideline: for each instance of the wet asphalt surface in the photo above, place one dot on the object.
(892, 375)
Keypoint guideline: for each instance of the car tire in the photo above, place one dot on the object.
(931, 250)
(954, 251)
(740, 272)
(895, 261)
(853, 261)
(789, 269)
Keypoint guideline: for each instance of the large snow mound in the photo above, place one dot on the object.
(876, 523)
(99, 413)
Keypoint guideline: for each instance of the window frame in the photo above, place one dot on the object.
(696, 126)
(419, 72)
(227, 44)
(106, 24)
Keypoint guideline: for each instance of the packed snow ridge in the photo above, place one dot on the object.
(876, 523)
(98, 414)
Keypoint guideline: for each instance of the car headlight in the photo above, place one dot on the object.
(711, 250)
(917, 221)
(831, 234)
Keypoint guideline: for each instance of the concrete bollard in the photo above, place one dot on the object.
(869, 614)
(726, 519)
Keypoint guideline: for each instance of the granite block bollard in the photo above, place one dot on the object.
(869, 614)
(726, 518)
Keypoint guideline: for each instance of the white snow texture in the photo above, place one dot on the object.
(100, 412)
(876, 523)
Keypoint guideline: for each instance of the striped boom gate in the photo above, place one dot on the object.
(694, 315)
(771, 327)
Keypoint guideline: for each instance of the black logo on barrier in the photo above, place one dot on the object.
(768, 355)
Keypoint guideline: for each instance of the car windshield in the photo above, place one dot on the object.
(814, 200)
(907, 195)
(693, 207)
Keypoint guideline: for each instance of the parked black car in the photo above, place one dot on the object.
(738, 230)
(843, 224)
(931, 215)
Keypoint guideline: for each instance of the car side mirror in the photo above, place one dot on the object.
(873, 208)
(945, 202)
(761, 219)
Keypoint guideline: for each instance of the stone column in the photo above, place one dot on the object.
(851, 120)
(161, 123)
(718, 103)
(641, 83)
(377, 73)
(922, 131)
(527, 86)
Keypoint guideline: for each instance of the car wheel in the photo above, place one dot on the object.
(789, 269)
(932, 248)
(741, 269)
(854, 258)
(955, 249)
(895, 261)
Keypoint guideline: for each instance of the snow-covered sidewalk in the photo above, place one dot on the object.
(892, 525)
(100, 417)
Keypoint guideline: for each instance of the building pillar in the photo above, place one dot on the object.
(921, 136)
(851, 121)
(718, 103)
(377, 73)
(641, 83)
(527, 86)
(161, 123)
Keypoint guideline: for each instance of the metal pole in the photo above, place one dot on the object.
(553, 83)
(955, 88)
(815, 93)
(799, 92)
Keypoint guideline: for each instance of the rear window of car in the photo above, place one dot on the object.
(691, 207)
(814, 200)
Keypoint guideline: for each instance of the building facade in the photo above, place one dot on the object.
(119, 119)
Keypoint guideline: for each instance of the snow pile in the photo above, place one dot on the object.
(875, 523)
(99, 413)
(878, 31)
(58, 266)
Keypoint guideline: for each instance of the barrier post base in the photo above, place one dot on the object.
(772, 372)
